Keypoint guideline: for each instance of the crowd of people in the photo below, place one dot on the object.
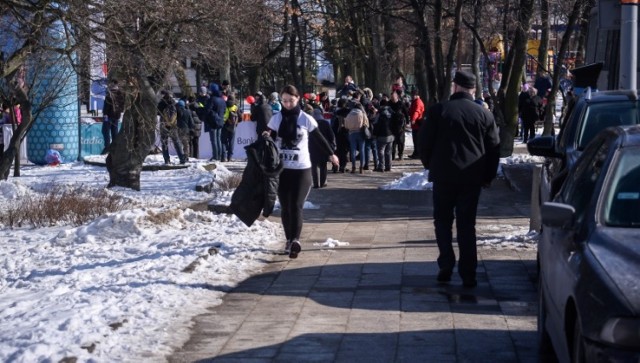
(367, 131)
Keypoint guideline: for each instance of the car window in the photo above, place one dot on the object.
(581, 182)
(599, 116)
(622, 206)
(574, 109)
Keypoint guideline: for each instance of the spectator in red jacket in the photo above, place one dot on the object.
(416, 113)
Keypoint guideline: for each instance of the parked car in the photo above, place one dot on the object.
(586, 117)
(589, 255)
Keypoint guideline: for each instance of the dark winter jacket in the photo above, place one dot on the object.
(261, 112)
(531, 109)
(113, 104)
(459, 142)
(215, 108)
(201, 106)
(184, 120)
(258, 188)
(400, 117)
(197, 123)
(318, 151)
(382, 127)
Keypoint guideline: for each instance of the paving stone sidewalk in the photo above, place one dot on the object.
(377, 300)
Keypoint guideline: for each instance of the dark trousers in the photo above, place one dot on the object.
(227, 143)
(528, 130)
(342, 150)
(461, 200)
(185, 140)
(398, 144)
(414, 137)
(109, 131)
(173, 134)
(195, 146)
(370, 149)
(319, 173)
(384, 152)
(292, 192)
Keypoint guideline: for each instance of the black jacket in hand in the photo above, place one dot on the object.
(258, 188)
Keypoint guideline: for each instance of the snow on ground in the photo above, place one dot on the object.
(124, 287)
(411, 181)
(332, 243)
(522, 159)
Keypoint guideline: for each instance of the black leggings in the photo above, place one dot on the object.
(292, 192)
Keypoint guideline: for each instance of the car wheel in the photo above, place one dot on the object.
(577, 349)
(545, 347)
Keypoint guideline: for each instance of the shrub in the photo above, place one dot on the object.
(61, 206)
(229, 182)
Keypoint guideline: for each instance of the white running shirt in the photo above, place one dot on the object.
(296, 154)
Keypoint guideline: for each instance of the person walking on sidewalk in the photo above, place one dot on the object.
(459, 144)
(416, 112)
(398, 123)
(318, 154)
(293, 129)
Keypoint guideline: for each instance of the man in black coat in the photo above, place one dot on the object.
(318, 155)
(531, 110)
(261, 112)
(459, 144)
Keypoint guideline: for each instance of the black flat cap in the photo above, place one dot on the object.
(465, 79)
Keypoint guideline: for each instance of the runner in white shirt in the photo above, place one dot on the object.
(293, 129)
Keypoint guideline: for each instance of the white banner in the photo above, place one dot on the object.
(245, 135)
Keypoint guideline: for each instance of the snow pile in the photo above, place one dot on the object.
(507, 237)
(522, 159)
(411, 181)
(331, 243)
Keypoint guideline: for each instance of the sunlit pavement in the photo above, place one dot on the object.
(377, 299)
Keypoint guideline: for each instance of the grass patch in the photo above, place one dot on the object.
(229, 182)
(61, 206)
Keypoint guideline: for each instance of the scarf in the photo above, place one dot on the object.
(288, 129)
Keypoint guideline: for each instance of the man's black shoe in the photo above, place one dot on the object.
(444, 275)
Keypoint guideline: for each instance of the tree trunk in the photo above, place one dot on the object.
(519, 54)
(293, 67)
(455, 32)
(419, 71)
(181, 76)
(584, 30)
(544, 38)
(254, 75)
(576, 14)
(132, 145)
(437, 52)
(477, 5)
(12, 154)
(225, 67)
